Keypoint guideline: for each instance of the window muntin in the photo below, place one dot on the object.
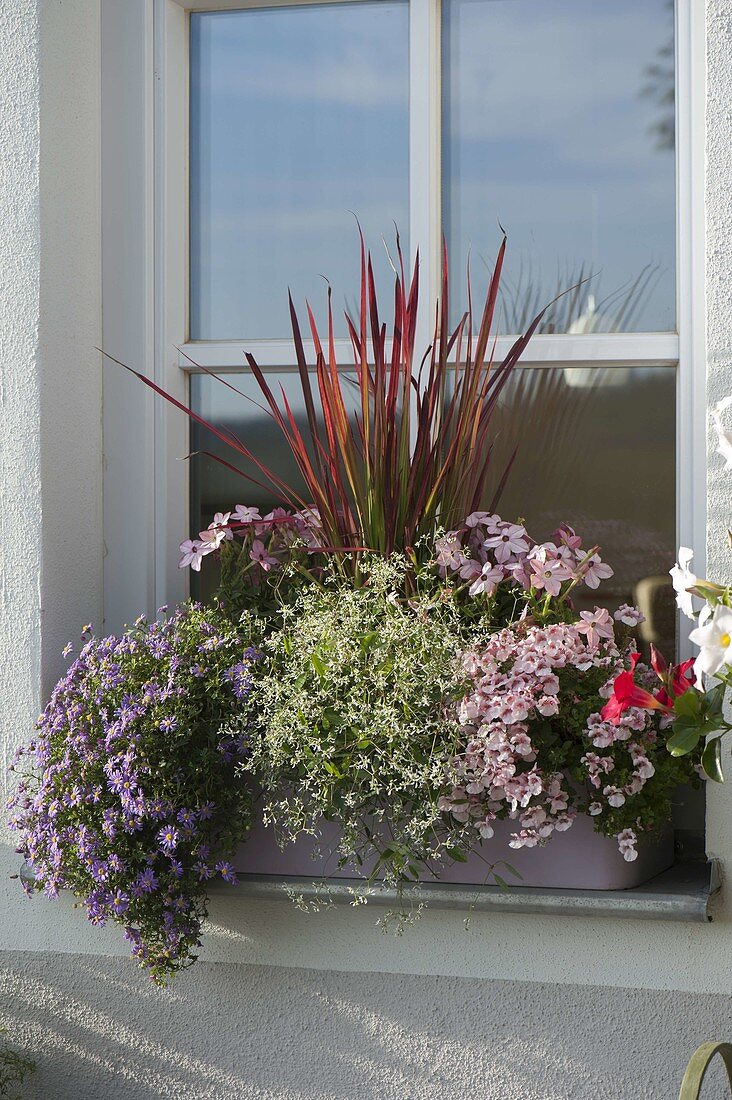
(558, 119)
(299, 119)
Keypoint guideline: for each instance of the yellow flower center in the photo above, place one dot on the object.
(725, 640)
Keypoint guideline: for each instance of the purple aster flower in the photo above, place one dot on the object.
(168, 838)
(167, 725)
(147, 881)
(227, 872)
(120, 902)
(206, 811)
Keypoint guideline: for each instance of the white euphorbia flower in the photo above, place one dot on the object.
(715, 641)
(723, 435)
(683, 578)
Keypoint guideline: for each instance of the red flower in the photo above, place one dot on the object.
(626, 693)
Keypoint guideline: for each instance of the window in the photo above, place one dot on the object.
(556, 118)
(228, 174)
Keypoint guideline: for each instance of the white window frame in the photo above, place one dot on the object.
(145, 281)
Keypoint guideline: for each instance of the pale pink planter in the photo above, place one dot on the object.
(578, 859)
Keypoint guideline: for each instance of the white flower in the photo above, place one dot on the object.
(724, 437)
(683, 579)
(715, 641)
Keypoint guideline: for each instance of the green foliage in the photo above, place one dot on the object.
(357, 692)
(130, 798)
(14, 1068)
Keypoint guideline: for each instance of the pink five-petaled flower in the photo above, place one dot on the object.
(509, 540)
(192, 554)
(488, 580)
(243, 514)
(595, 624)
(261, 556)
(595, 570)
(548, 573)
(212, 538)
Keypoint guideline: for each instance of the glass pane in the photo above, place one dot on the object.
(298, 121)
(558, 121)
(596, 449)
(216, 489)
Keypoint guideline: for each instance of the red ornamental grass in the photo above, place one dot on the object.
(417, 453)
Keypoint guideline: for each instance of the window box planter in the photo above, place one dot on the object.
(578, 859)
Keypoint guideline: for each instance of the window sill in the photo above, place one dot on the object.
(682, 894)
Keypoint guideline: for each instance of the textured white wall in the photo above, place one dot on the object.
(257, 1031)
(20, 458)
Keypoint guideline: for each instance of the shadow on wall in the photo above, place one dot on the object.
(100, 1030)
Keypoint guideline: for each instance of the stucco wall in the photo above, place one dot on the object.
(262, 1033)
(443, 1012)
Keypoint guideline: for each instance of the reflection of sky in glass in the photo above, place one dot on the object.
(551, 125)
(299, 117)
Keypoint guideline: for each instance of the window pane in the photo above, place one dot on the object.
(216, 489)
(558, 121)
(596, 449)
(298, 121)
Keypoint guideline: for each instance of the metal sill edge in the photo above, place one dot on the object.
(680, 894)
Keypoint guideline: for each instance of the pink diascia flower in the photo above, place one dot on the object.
(629, 615)
(627, 841)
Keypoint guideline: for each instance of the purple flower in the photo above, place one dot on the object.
(168, 838)
(167, 725)
(147, 881)
(120, 902)
(227, 872)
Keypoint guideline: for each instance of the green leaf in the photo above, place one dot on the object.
(683, 740)
(511, 869)
(688, 705)
(715, 700)
(712, 759)
(318, 663)
(457, 854)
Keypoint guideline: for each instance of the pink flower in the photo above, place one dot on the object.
(220, 520)
(509, 540)
(627, 841)
(192, 554)
(243, 514)
(488, 581)
(595, 571)
(629, 615)
(549, 574)
(614, 796)
(477, 518)
(595, 624)
(261, 556)
(212, 538)
(594, 809)
(449, 552)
